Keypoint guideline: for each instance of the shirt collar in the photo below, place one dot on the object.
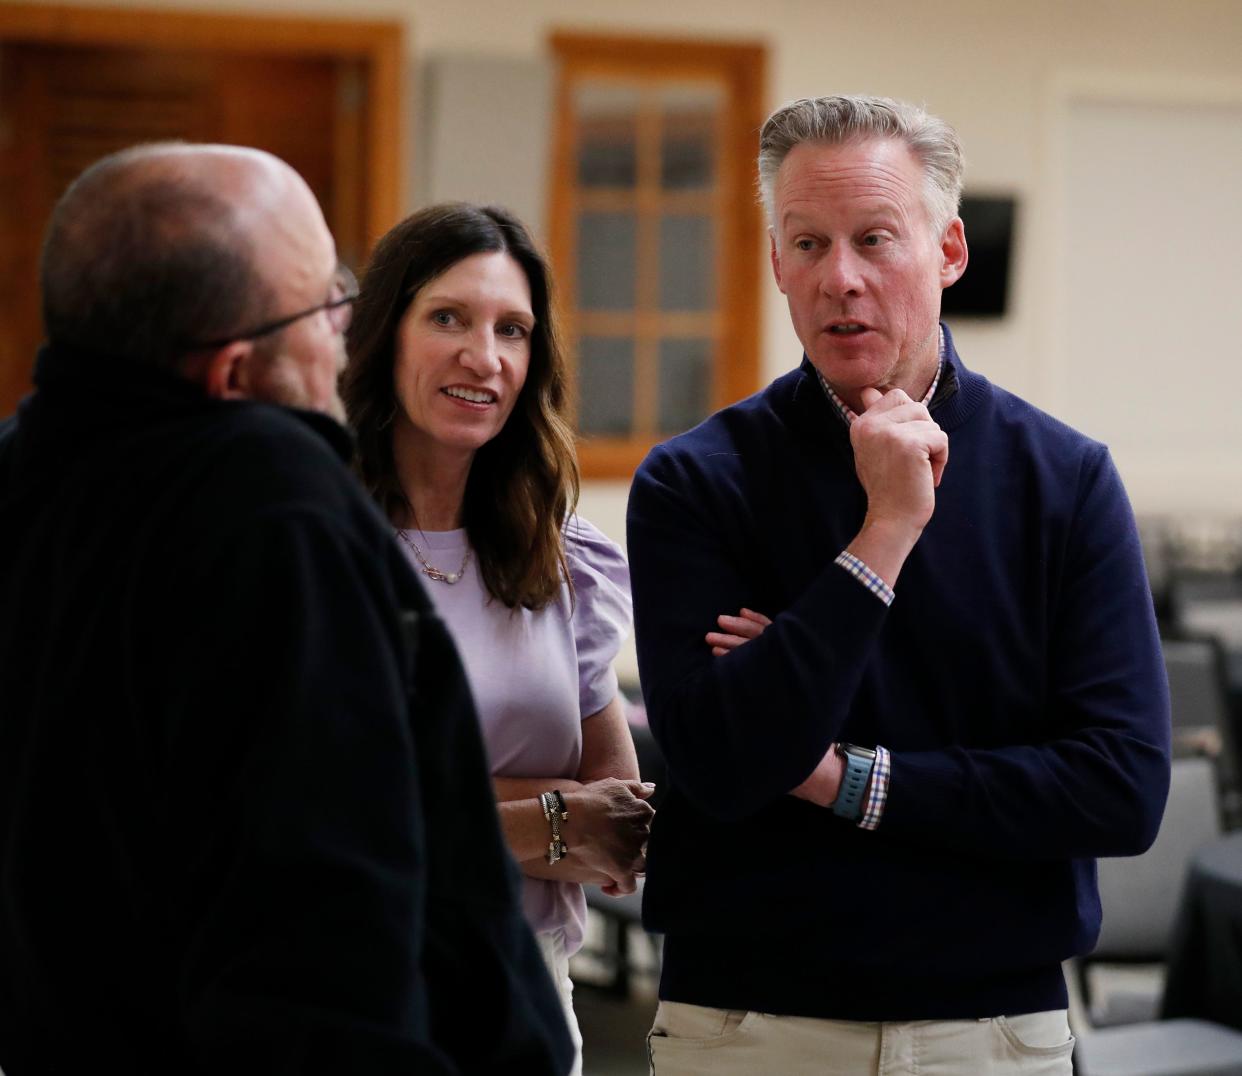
(848, 414)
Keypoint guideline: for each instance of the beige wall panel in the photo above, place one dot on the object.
(992, 68)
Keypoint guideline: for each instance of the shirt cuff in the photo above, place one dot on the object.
(865, 576)
(877, 790)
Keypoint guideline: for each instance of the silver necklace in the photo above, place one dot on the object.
(429, 569)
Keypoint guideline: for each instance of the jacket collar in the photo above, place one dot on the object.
(88, 393)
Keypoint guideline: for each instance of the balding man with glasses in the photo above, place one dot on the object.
(245, 820)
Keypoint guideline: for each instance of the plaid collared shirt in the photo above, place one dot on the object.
(877, 789)
(848, 414)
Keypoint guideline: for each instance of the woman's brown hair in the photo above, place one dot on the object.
(523, 482)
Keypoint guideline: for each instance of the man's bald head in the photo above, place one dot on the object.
(154, 248)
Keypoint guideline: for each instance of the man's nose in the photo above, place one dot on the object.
(479, 355)
(841, 273)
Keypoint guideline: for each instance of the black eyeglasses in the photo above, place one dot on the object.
(339, 310)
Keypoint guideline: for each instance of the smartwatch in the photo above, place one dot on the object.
(858, 764)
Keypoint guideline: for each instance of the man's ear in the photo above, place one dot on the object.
(776, 259)
(227, 373)
(953, 251)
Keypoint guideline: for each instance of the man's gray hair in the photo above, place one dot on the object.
(852, 118)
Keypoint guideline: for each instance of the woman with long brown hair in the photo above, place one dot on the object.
(456, 387)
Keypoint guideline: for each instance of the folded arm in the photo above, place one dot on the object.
(608, 818)
(780, 701)
(1096, 783)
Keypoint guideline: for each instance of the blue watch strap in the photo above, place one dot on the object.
(849, 801)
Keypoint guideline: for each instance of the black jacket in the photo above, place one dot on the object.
(245, 818)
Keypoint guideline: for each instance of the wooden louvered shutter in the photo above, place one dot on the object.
(62, 107)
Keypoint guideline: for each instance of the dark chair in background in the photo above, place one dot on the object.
(1194, 593)
(1160, 1048)
(1140, 895)
(1204, 721)
(650, 760)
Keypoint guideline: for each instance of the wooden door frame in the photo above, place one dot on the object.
(741, 68)
(378, 46)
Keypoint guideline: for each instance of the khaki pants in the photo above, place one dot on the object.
(692, 1040)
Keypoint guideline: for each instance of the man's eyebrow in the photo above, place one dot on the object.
(869, 215)
(794, 216)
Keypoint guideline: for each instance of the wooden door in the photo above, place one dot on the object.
(64, 104)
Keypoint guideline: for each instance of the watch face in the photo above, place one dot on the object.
(858, 752)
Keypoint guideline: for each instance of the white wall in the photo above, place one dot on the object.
(992, 67)
(1001, 71)
(1154, 282)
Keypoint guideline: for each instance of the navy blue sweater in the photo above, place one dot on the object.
(1016, 679)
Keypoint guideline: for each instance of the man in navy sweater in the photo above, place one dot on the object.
(898, 647)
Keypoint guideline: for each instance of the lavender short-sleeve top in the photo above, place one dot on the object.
(536, 675)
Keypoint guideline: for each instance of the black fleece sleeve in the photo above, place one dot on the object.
(307, 903)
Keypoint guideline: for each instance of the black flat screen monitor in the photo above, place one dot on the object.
(983, 290)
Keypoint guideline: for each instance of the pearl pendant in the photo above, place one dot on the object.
(441, 576)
